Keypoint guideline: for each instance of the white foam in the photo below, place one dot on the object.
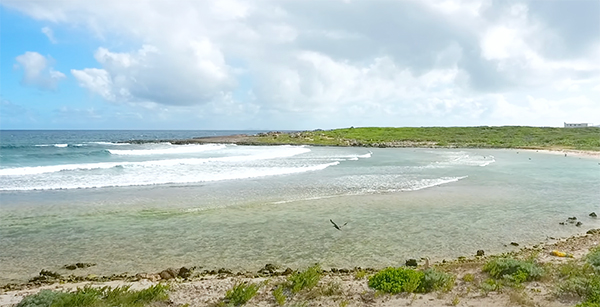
(61, 145)
(274, 153)
(110, 143)
(429, 183)
(177, 149)
(174, 178)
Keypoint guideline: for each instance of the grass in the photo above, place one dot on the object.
(306, 279)
(465, 137)
(279, 296)
(97, 297)
(396, 280)
(240, 294)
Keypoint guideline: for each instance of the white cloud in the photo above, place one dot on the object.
(50, 34)
(37, 71)
(340, 63)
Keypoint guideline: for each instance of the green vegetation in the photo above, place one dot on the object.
(396, 280)
(97, 297)
(279, 296)
(240, 294)
(466, 137)
(513, 270)
(307, 279)
(581, 281)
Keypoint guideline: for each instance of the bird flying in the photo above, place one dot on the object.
(336, 225)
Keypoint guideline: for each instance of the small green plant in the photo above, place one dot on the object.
(468, 277)
(279, 295)
(513, 270)
(360, 274)
(490, 285)
(332, 288)
(97, 297)
(434, 280)
(307, 279)
(344, 303)
(240, 294)
(396, 280)
(455, 301)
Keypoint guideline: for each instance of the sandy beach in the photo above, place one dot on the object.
(350, 288)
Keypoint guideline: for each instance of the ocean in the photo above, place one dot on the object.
(95, 196)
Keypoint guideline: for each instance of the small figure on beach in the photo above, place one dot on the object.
(336, 225)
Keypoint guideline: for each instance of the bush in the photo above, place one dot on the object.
(44, 298)
(435, 280)
(279, 296)
(593, 258)
(97, 297)
(396, 280)
(306, 279)
(240, 294)
(513, 270)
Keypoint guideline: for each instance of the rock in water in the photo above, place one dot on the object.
(579, 224)
(593, 214)
(411, 262)
(480, 253)
(514, 243)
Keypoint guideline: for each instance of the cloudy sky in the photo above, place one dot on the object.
(229, 64)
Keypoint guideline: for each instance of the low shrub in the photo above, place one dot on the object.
(279, 296)
(240, 294)
(396, 280)
(593, 258)
(307, 279)
(97, 297)
(434, 280)
(513, 270)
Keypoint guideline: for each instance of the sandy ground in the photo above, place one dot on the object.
(347, 289)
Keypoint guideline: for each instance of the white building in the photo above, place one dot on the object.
(577, 125)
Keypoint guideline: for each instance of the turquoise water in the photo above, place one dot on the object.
(142, 208)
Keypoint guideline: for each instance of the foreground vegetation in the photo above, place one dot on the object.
(518, 276)
(98, 297)
(464, 137)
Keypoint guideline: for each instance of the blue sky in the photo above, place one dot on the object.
(297, 64)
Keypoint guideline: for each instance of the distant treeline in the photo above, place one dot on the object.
(465, 137)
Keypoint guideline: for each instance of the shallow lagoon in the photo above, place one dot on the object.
(399, 204)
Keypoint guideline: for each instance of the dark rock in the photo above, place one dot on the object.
(169, 273)
(572, 218)
(185, 272)
(50, 274)
(287, 271)
(224, 271)
(514, 243)
(593, 214)
(561, 223)
(334, 270)
(269, 269)
(411, 262)
(70, 267)
(480, 252)
(593, 231)
(344, 271)
(579, 224)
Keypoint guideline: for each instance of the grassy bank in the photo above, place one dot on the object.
(463, 137)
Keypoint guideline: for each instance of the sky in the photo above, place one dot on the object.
(297, 64)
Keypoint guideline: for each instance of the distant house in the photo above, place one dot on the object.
(578, 125)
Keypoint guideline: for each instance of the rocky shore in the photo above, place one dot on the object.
(340, 286)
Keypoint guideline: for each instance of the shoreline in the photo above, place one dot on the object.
(207, 288)
(260, 140)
